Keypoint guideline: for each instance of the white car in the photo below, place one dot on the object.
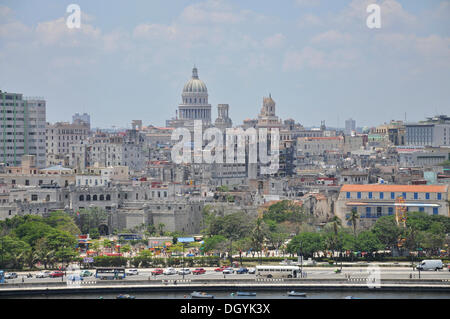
(170, 271)
(184, 271)
(252, 270)
(43, 274)
(228, 270)
(132, 272)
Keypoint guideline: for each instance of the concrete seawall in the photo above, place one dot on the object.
(111, 286)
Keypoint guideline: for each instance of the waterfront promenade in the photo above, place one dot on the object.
(399, 278)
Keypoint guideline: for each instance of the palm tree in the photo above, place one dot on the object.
(336, 223)
(353, 218)
(258, 235)
(161, 228)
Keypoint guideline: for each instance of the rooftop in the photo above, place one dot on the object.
(394, 188)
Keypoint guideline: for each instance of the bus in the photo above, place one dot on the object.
(278, 271)
(110, 273)
(2, 277)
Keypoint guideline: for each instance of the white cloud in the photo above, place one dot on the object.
(307, 3)
(155, 31)
(309, 20)
(332, 37)
(56, 32)
(313, 58)
(212, 12)
(274, 41)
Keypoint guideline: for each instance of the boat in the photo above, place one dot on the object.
(125, 297)
(203, 295)
(246, 294)
(296, 294)
(351, 297)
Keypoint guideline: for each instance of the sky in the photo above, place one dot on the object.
(317, 58)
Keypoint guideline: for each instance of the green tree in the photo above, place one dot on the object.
(14, 252)
(258, 236)
(214, 243)
(307, 243)
(387, 231)
(233, 227)
(367, 241)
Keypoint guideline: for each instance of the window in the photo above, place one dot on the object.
(370, 195)
(34, 197)
(359, 194)
(435, 211)
(416, 196)
(427, 195)
(379, 211)
(421, 209)
(368, 211)
(404, 195)
(392, 195)
(381, 195)
(439, 196)
(391, 210)
(348, 194)
(81, 198)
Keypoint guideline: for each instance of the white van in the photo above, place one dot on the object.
(430, 265)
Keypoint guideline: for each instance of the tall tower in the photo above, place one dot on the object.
(223, 121)
(267, 117)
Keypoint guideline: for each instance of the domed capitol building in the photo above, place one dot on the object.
(194, 104)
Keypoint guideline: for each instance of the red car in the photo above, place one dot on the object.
(220, 268)
(157, 271)
(198, 271)
(55, 274)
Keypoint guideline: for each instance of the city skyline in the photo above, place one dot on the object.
(317, 59)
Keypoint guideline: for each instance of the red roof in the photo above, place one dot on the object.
(395, 188)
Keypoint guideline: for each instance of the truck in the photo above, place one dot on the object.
(430, 265)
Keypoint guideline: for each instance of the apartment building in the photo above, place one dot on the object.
(22, 128)
(375, 200)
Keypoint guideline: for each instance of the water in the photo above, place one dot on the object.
(259, 295)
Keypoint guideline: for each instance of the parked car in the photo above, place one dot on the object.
(132, 272)
(86, 273)
(220, 269)
(74, 278)
(184, 271)
(228, 270)
(11, 275)
(56, 274)
(170, 271)
(198, 271)
(157, 271)
(252, 271)
(43, 274)
(430, 265)
(242, 270)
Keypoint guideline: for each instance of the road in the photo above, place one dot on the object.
(311, 273)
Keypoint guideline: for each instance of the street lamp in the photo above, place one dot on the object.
(183, 260)
(300, 254)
